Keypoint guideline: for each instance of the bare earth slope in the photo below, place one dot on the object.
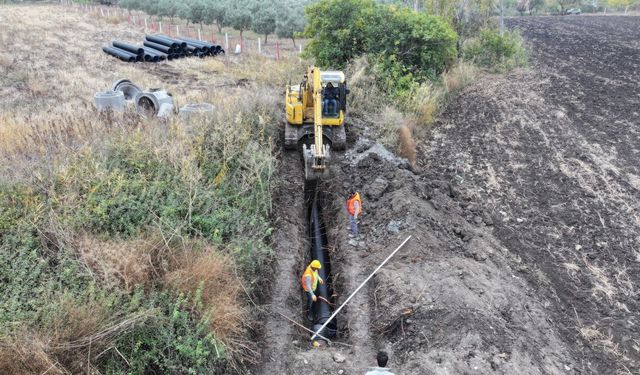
(551, 156)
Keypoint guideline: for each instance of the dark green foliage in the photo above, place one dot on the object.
(264, 18)
(496, 52)
(172, 342)
(409, 47)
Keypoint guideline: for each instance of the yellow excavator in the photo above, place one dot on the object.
(315, 110)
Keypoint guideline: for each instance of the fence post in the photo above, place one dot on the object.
(101, 12)
(259, 47)
(226, 41)
(160, 26)
(199, 36)
(146, 25)
(177, 31)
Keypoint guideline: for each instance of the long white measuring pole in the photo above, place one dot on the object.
(358, 289)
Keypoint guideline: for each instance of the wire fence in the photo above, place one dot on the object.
(275, 48)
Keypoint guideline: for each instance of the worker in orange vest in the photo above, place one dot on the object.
(354, 208)
(310, 280)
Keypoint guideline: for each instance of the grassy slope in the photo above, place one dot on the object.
(126, 245)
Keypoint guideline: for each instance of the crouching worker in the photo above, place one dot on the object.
(310, 280)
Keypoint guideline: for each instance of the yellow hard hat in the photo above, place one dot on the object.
(316, 264)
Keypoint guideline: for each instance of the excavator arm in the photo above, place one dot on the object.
(316, 157)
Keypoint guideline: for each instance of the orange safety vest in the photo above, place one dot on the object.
(350, 204)
(314, 279)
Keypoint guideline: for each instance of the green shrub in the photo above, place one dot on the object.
(174, 342)
(408, 47)
(496, 52)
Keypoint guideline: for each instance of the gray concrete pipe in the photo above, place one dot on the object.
(109, 100)
(154, 104)
(128, 88)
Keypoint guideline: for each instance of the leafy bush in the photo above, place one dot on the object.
(408, 47)
(496, 52)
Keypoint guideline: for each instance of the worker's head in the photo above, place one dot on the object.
(330, 85)
(382, 358)
(315, 264)
(353, 193)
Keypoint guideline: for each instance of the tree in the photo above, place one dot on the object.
(292, 22)
(522, 6)
(565, 4)
(264, 18)
(239, 16)
(149, 6)
(405, 43)
(535, 5)
(216, 12)
(197, 11)
(167, 8)
(130, 4)
(466, 16)
(183, 11)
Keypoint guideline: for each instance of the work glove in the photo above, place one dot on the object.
(314, 298)
(321, 281)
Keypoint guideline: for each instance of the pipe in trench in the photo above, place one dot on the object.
(321, 309)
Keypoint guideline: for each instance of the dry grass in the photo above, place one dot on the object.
(429, 99)
(123, 263)
(211, 276)
(407, 144)
(599, 340)
(75, 338)
(602, 286)
(26, 354)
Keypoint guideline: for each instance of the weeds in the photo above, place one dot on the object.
(496, 52)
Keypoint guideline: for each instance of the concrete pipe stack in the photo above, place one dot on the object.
(157, 48)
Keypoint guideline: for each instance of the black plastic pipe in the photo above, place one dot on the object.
(121, 54)
(192, 50)
(155, 52)
(157, 46)
(321, 309)
(180, 42)
(161, 40)
(204, 46)
(128, 47)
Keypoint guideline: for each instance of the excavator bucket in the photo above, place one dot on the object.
(315, 167)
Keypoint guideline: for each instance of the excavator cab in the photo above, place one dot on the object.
(315, 117)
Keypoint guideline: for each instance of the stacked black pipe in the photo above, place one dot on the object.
(161, 47)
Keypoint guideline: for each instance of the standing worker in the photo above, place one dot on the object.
(382, 368)
(310, 280)
(354, 208)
